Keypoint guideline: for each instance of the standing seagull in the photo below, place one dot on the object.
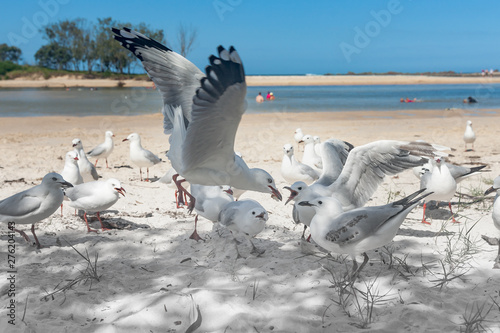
(310, 157)
(202, 113)
(358, 230)
(210, 200)
(104, 149)
(293, 171)
(94, 197)
(71, 171)
(141, 157)
(247, 217)
(34, 204)
(496, 218)
(469, 135)
(297, 136)
(87, 169)
(441, 182)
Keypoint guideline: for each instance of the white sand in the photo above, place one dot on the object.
(152, 276)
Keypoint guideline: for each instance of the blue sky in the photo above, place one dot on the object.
(299, 37)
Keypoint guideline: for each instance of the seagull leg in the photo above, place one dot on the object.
(179, 194)
(140, 173)
(61, 210)
(102, 225)
(22, 233)
(355, 273)
(95, 164)
(195, 235)
(423, 218)
(147, 173)
(182, 190)
(38, 245)
(452, 215)
(107, 167)
(497, 259)
(89, 229)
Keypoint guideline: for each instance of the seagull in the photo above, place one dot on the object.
(34, 204)
(365, 168)
(297, 136)
(292, 170)
(458, 172)
(246, 216)
(496, 217)
(87, 169)
(71, 171)
(440, 181)
(469, 135)
(104, 149)
(317, 145)
(141, 157)
(210, 200)
(94, 197)
(202, 113)
(310, 158)
(358, 230)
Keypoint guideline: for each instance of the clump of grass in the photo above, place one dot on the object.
(89, 274)
(474, 318)
(361, 300)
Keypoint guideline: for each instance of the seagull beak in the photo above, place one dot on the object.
(124, 140)
(120, 190)
(275, 194)
(306, 203)
(229, 191)
(491, 189)
(76, 158)
(301, 141)
(65, 184)
(74, 145)
(261, 215)
(293, 194)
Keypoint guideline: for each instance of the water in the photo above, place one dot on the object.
(30, 102)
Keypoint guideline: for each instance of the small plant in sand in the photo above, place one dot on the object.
(399, 264)
(359, 299)
(474, 317)
(459, 249)
(89, 274)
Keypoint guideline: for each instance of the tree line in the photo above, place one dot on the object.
(82, 45)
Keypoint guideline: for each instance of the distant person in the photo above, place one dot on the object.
(259, 98)
(268, 97)
(271, 97)
(470, 100)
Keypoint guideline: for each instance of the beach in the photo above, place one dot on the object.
(260, 80)
(153, 278)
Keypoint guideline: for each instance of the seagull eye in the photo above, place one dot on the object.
(269, 180)
(299, 188)
(54, 178)
(253, 213)
(320, 202)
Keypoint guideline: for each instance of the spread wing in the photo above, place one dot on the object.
(367, 165)
(176, 78)
(217, 110)
(334, 154)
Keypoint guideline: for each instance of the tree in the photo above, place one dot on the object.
(53, 56)
(186, 37)
(67, 34)
(10, 53)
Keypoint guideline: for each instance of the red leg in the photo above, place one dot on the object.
(195, 235)
(95, 164)
(140, 172)
(309, 238)
(107, 167)
(147, 173)
(22, 233)
(89, 229)
(423, 218)
(61, 209)
(182, 190)
(38, 245)
(102, 225)
(452, 215)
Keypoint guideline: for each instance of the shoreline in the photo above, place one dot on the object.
(259, 80)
